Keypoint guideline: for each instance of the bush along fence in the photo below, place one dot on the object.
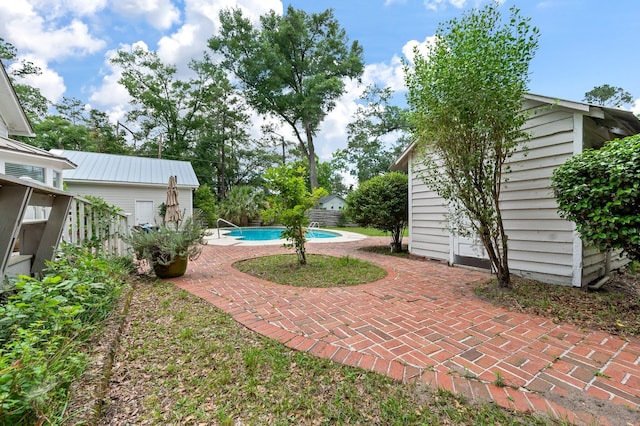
(44, 326)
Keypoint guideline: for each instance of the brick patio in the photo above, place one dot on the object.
(423, 323)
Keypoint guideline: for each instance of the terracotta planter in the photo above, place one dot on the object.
(177, 268)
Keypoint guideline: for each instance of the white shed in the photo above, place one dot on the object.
(542, 245)
(332, 202)
(137, 185)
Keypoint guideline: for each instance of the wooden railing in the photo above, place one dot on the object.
(95, 227)
(34, 218)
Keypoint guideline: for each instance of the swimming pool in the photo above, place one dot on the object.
(273, 233)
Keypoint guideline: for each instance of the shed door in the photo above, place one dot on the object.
(144, 212)
(469, 251)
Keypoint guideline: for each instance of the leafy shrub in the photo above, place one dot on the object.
(382, 202)
(599, 190)
(204, 200)
(242, 205)
(43, 324)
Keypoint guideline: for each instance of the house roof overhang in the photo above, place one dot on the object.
(24, 153)
(10, 109)
(620, 123)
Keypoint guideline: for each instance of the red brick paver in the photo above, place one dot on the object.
(423, 323)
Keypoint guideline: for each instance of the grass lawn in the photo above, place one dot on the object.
(371, 232)
(183, 361)
(320, 270)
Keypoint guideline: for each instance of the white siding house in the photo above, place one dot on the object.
(332, 202)
(137, 185)
(541, 244)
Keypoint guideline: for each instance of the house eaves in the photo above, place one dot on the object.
(15, 150)
(11, 110)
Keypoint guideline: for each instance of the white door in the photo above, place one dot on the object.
(469, 251)
(469, 247)
(144, 212)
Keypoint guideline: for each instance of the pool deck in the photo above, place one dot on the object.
(226, 240)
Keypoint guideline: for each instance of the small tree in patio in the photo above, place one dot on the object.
(288, 203)
(466, 108)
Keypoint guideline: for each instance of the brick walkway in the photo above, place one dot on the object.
(423, 323)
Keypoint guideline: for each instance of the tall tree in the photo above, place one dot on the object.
(466, 106)
(166, 107)
(32, 100)
(607, 95)
(377, 135)
(292, 67)
(103, 134)
(225, 154)
(55, 132)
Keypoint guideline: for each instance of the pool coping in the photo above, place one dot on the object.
(226, 240)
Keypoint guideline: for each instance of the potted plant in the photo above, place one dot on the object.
(170, 247)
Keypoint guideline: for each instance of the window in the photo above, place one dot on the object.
(22, 170)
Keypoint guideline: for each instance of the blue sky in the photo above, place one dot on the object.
(583, 43)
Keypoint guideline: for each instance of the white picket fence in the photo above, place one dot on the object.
(100, 229)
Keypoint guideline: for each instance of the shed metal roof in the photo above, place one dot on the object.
(104, 168)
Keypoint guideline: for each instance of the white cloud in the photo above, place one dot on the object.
(422, 47)
(49, 82)
(201, 23)
(160, 14)
(636, 107)
(57, 8)
(27, 30)
(385, 74)
(111, 96)
(440, 4)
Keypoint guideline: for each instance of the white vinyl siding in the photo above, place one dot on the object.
(540, 242)
(125, 196)
(428, 232)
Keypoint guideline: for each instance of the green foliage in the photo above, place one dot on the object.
(599, 190)
(607, 95)
(242, 205)
(43, 325)
(382, 202)
(162, 101)
(74, 130)
(292, 66)
(466, 99)
(370, 152)
(205, 201)
(163, 245)
(289, 202)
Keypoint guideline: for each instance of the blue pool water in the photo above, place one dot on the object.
(266, 234)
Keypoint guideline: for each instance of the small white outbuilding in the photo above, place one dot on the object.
(137, 185)
(542, 245)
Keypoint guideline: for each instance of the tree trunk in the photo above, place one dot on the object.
(311, 158)
(396, 240)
